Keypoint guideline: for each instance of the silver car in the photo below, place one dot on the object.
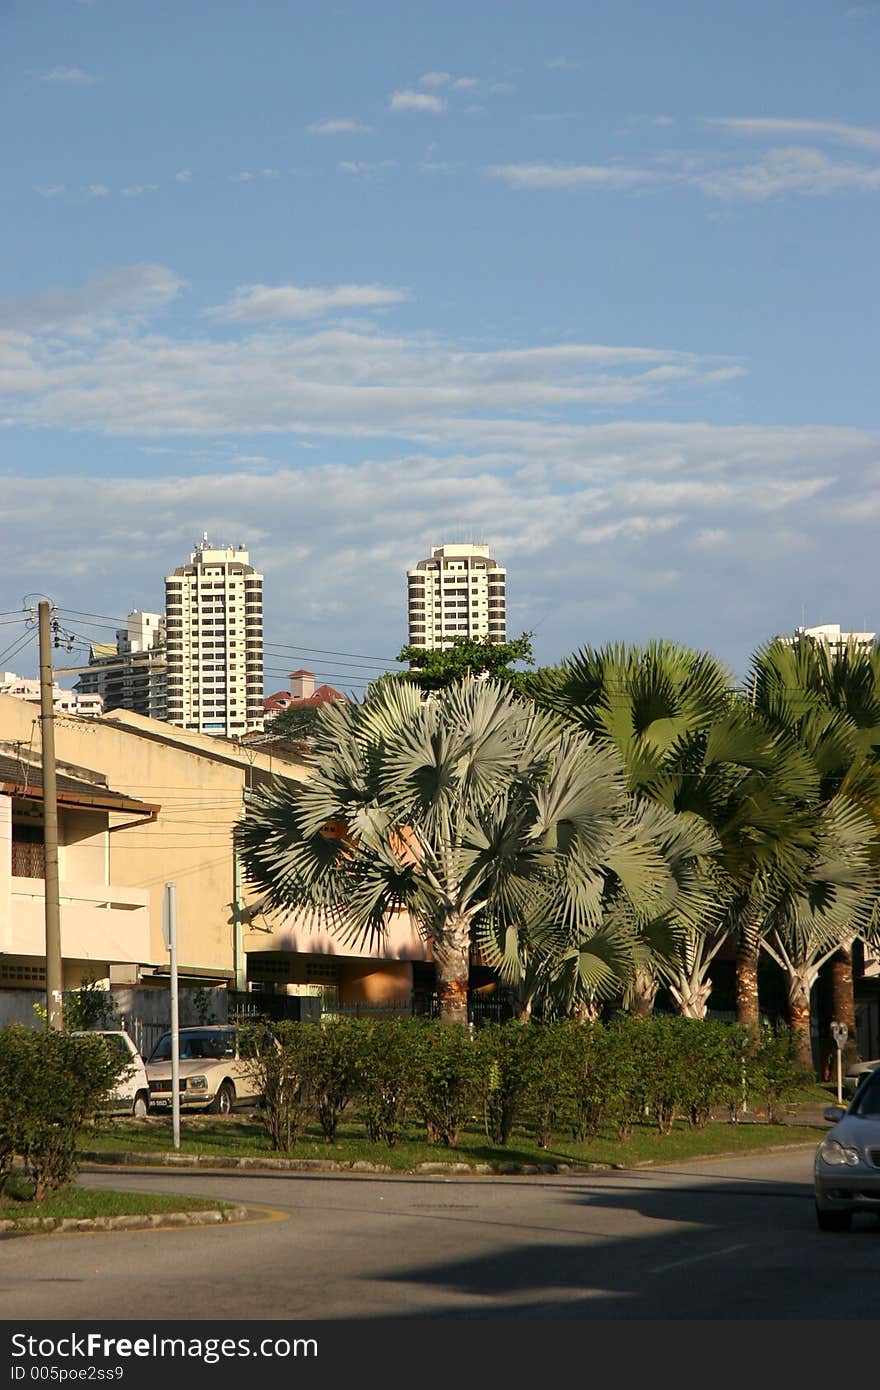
(856, 1074)
(847, 1168)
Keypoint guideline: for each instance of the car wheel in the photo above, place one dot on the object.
(141, 1108)
(224, 1100)
(833, 1220)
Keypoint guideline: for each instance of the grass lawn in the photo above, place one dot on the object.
(244, 1137)
(80, 1202)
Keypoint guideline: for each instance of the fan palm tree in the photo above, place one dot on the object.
(830, 702)
(831, 903)
(688, 745)
(474, 809)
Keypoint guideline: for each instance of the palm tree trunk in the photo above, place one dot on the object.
(692, 997)
(747, 1010)
(644, 992)
(452, 960)
(843, 1004)
(799, 1017)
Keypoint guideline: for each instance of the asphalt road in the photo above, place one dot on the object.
(732, 1238)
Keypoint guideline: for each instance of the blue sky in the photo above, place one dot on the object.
(595, 282)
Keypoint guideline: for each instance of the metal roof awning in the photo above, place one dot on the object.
(24, 781)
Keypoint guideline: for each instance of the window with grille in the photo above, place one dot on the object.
(28, 856)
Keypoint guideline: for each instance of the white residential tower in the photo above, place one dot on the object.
(214, 639)
(459, 592)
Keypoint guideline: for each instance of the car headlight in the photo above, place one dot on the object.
(197, 1083)
(835, 1155)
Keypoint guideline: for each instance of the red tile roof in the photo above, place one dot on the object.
(282, 699)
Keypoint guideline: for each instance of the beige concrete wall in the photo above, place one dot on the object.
(5, 875)
(363, 982)
(303, 931)
(83, 848)
(190, 842)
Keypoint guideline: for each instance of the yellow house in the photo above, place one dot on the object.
(143, 803)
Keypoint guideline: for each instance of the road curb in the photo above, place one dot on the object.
(37, 1225)
(131, 1158)
(438, 1168)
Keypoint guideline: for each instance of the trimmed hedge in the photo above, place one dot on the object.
(551, 1076)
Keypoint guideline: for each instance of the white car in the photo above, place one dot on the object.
(213, 1074)
(847, 1167)
(132, 1096)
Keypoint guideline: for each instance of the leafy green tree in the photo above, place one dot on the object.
(437, 669)
(479, 814)
(298, 721)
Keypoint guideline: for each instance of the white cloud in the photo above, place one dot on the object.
(416, 101)
(342, 125)
(590, 559)
(251, 175)
(76, 77)
(183, 176)
(791, 170)
(96, 190)
(49, 190)
(133, 289)
(137, 190)
(465, 84)
(365, 168)
(772, 128)
(561, 64)
(570, 176)
(350, 380)
(435, 79)
(262, 303)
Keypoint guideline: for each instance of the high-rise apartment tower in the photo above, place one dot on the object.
(130, 673)
(214, 637)
(459, 592)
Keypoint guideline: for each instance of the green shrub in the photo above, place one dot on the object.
(714, 1055)
(625, 1049)
(336, 1067)
(388, 1052)
(775, 1074)
(280, 1064)
(554, 1076)
(507, 1061)
(51, 1084)
(450, 1069)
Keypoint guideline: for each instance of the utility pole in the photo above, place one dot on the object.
(54, 986)
(169, 932)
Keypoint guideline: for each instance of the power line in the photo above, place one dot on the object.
(19, 644)
(279, 646)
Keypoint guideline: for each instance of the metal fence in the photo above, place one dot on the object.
(143, 1034)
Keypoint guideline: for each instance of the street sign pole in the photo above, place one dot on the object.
(839, 1033)
(169, 931)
